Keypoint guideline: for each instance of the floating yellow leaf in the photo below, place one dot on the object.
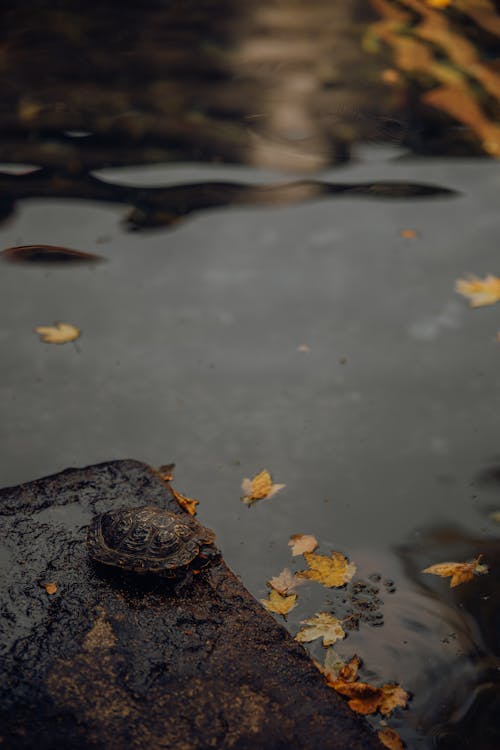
(301, 543)
(330, 571)
(284, 582)
(322, 625)
(60, 333)
(50, 588)
(188, 503)
(279, 604)
(259, 487)
(479, 292)
(459, 572)
(390, 739)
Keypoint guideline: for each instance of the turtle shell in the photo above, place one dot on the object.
(146, 539)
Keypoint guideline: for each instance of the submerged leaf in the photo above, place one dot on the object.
(60, 333)
(322, 625)
(301, 543)
(258, 488)
(284, 582)
(480, 292)
(329, 571)
(281, 605)
(459, 572)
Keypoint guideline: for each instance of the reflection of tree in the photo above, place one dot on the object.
(448, 61)
(157, 207)
(266, 83)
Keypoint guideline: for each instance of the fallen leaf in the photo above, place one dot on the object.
(166, 472)
(393, 696)
(303, 348)
(259, 487)
(188, 503)
(50, 588)
(329, 571)
(322, 625)
(459, 572)
(301, 543)
(363, 698)
(47, 254)
(332, 666)
(390, 738)
(408, 234)
(349, 672)
(284, 582)
(60, 333)
(281, 605)
(479, 292)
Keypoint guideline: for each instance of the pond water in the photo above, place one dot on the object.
(282, 196)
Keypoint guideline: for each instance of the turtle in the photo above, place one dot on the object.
(149, 539)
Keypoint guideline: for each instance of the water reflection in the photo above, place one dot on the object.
(157, 207)
(458, 692)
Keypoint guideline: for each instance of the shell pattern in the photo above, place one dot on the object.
(146, 539)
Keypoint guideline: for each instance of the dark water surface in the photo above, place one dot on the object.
(244, 171)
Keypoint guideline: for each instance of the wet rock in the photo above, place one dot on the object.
(109, 660)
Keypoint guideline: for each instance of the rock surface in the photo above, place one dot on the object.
(114, 661)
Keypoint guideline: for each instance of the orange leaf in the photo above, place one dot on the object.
(390, 738)
(329, 571)
(480, 292)
(393, 697)
(301, 543)
(349, 671)
(363, 698)
(50, 588)
(188, 503)
(459, 572)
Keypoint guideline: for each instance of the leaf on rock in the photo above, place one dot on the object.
(301, 543)
(166, 472)
(284, 582)
(60, 333)
(459, 572)
(321, 625)
(281, 605)
(393, 696)
(187, 503)
(390, 739)
(258, 488)
(329, 571)
(480, 292)
(50, 588)
(439, 3)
